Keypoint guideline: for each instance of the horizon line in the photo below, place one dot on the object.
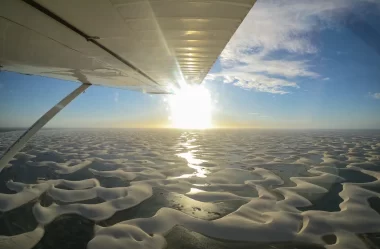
(173, 128)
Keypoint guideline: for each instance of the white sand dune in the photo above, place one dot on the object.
(135, 195)
(62, 168)
(22, 241)
(11, 201)
(274, 180)
(115, 173)
(265, 219)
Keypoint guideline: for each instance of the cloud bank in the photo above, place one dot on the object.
(267, 52)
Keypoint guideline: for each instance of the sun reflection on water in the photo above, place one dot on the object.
(192, 161)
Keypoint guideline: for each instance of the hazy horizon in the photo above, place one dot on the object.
(184, 129)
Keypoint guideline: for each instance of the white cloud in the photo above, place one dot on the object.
(375, 95)
(280, 25)
(116, 97)
(259, 82)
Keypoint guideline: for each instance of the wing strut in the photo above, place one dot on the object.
(21, 141)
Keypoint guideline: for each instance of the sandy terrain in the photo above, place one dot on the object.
(192, 189)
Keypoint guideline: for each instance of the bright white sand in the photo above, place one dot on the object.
(273, 179)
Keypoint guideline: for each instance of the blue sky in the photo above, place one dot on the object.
(303, 64)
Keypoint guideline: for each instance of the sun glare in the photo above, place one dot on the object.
(191, 108)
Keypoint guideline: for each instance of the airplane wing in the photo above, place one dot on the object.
(145, 45)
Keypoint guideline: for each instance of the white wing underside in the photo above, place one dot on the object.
(145, 45)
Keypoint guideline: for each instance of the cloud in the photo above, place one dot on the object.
(116, 97)
(259, 82)
(289, 27)
(375, 95)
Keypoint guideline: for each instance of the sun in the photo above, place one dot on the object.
(190, 108)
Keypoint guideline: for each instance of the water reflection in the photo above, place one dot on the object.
(192, 162)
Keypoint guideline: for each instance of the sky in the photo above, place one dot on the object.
(294, 64)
